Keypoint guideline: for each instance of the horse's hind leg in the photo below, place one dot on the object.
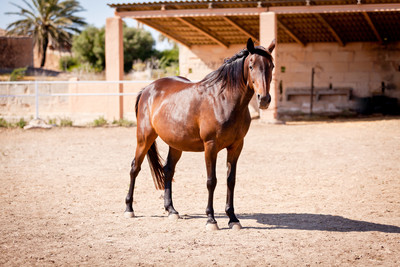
(169, 170)
(143, 145)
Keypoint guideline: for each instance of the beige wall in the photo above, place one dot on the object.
(85, 108)
(360, 66)
(13, 108)
(80, 109)
(195, 63)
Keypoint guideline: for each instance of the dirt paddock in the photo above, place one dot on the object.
(307, 194)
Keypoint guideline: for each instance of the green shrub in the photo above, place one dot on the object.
(68, 63)
(124, 123)
(65, 122)
(169, 58)
(4, 123)
(18, 74)
(100, 122)
(52, 121)
(21, 123)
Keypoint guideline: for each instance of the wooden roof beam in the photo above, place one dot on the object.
(210, 12)
(203, 31)
(332, 30)
(291, 34)
(165, 32)
(239, 28)
(312, 9)
(202, 12)
(372, 26)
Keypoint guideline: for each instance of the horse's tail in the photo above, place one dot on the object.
(137, 102)
(155, 161)
(157, 170)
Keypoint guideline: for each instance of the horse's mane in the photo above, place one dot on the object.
(230, 73)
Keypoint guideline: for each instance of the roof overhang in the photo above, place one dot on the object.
(232, 22)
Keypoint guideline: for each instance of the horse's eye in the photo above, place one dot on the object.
(251, 67)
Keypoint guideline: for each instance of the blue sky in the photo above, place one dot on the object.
(96, 12)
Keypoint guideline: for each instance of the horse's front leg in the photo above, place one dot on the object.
(210, 152)
(232, 158)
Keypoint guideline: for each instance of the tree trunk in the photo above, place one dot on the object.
(44, 51)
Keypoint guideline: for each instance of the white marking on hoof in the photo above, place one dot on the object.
(235, 226)
(212, 227)
(129, 214)
(173, 216)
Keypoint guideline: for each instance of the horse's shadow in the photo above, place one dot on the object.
(316, 222)
(308, 222)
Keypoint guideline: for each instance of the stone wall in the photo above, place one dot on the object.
(16, 52)
(19, 52)
(363, 67)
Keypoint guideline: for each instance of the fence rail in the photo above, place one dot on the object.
(37, 94)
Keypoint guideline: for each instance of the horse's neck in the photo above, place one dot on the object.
(246, 93)
(231, 99)
(239, 98)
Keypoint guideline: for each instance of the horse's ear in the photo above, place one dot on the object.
(250, 46)
(271, 46)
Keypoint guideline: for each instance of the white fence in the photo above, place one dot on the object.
(40, 94)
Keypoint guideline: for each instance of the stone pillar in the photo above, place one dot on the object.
(268, 32)
(114, 66)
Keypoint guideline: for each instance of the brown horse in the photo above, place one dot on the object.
(208, 116)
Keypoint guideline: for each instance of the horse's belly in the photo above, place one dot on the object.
(179, 135)
(182, 142)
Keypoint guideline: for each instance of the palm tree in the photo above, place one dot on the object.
(47, 21)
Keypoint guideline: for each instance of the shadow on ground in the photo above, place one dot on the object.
(306, 221)
(316, 222)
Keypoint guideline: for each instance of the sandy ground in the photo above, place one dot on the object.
(307, 194)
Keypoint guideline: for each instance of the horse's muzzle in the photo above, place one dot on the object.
(263, 101)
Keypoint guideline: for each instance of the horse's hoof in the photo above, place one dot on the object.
(212, 227)
(173, 216)
(129, 214)
(235, 226)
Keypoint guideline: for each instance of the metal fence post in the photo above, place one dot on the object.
(36, 100)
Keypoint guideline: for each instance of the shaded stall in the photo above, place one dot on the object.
(352, 45)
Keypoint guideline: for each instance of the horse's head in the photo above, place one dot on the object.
(259, 66)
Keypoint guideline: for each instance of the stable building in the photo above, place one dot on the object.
(331, 56)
